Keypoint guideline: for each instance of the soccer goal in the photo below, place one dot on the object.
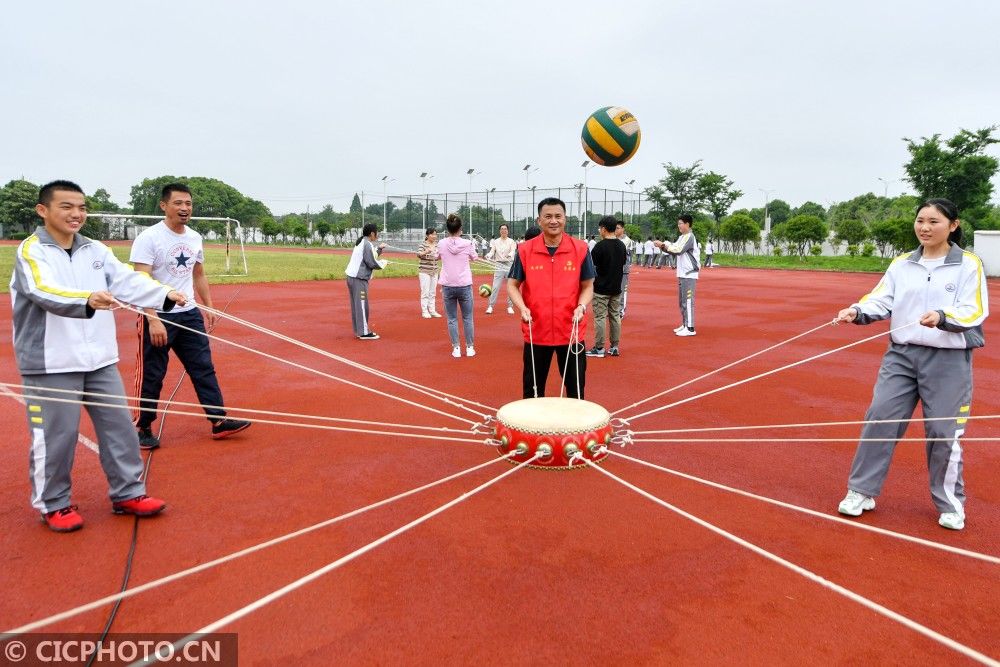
(229, 260)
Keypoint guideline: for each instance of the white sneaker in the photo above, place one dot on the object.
(679, 329)
(435, 313)
(425, 315)
(470, 351)
(510, 311)
(456, 352)
(855, 503)
(952, 520)
(489, 310)
(685, 332)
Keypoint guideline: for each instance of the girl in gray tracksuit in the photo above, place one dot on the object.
(364, 260)
(943, 288)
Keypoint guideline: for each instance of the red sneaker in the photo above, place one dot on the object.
(65, 520)
(139, 506)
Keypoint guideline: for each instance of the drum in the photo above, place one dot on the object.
(557, 428)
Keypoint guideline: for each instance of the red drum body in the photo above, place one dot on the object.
(557, 428)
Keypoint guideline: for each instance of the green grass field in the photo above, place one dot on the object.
(266, 266)
(839, 263)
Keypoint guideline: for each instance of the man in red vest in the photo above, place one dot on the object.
(552, 282)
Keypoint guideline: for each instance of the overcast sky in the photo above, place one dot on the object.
(304, 102)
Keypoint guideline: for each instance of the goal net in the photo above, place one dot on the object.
(225, 254)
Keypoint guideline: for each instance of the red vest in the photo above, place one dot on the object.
(551, 289)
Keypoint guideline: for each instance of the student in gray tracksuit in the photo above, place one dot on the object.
(359, 271)
(943, 288)
(687, 252)
(62, 289)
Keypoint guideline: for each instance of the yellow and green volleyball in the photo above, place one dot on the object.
(485, 290)
(611, 136)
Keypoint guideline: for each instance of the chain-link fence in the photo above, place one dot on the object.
(405, 217)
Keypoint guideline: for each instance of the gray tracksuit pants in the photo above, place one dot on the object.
(942, 380)
(685, 293)
(55, 427)
(358, 291)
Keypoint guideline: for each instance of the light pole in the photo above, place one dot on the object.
(631, 215)
(767, 218)
(579, 202)
(528, 171)
(488, 192)
(385, 201)
(471, 173)
(586, 167)
(532, 188)
(885, 192)
(423, 180)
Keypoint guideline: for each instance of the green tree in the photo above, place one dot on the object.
(959, 170)
(883, 233)
(779, 211)
(212, 198)
(323, 229)
(803, 231)
(100, 201)
(717, 194)
(851, 232)
(678, 192)
(17, 207)
(270, 229)
(738, 230)
(356, 204)
(810, 208)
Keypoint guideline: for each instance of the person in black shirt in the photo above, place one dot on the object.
(609, 261)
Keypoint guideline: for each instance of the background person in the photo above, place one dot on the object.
(552, 301)
(456, 284)
(609, 258)
(686, 254)
(627, 269)
(944, 288)
(62, 289)
(359, 272)
(172, 253)
(502, 251)
(427, 273)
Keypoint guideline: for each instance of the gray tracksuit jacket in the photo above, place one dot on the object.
(956, 289)
(55, 331)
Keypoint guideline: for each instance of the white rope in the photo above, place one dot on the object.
(429, 391)
(717, 370)
(819, 515)
(811, 576)
(771, 372)
(305, 368)
(531, 349)
(312, 576)
(257, 420)
(272, 413)
(574, 337)
(860, 422)
(779, 440)
(156, 583)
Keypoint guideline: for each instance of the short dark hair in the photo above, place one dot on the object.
(430, 230)
(608, 223)
(946, 208)
(619, 223)
(502, 225)
(453, 223)
(685, 218)
(532, 232)
(551, 201)
(46, 191)
(173, 187)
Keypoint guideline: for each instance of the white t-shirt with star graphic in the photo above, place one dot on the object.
(172, 258)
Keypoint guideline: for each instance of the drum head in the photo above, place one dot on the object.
(552, 415)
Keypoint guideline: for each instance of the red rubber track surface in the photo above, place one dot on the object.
(545, 566)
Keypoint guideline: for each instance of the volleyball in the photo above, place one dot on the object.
(485, 290)
(611, 136)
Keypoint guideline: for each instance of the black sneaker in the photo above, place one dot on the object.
(228, 427)
(147, 440)
(613, 352)
(371, 335)
(596, 352)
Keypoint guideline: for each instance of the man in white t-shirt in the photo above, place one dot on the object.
(172, 254)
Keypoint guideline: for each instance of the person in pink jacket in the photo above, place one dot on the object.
(456, 284)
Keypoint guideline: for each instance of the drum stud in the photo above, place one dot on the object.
(593, 447)
(544, 450)
(505, 440)
(607, 438)
(571, 450)
(522, 449)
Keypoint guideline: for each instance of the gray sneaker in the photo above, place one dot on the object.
(613, 352)
(147, 440)
(596, 352)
